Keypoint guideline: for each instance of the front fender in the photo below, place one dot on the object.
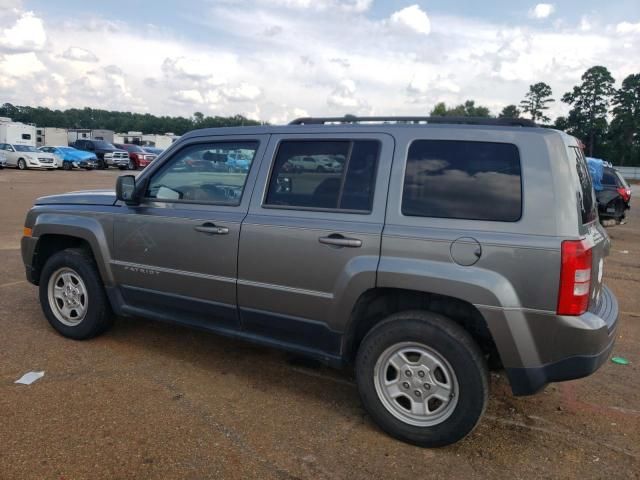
(85, 228)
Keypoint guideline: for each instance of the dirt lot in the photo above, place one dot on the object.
(148, 400)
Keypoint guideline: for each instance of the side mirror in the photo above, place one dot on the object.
(126, 189)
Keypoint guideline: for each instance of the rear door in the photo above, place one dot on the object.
(311, 241)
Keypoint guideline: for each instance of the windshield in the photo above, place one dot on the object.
(25, 148)
(101, 144)
(66, 149)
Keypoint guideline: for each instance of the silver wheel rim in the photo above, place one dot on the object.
(416, 384)
(68, 296)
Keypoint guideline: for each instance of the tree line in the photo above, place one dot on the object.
(605, 119)
(117, 121)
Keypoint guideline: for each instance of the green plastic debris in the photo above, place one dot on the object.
(620, 360)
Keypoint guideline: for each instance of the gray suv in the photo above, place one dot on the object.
(433, 249)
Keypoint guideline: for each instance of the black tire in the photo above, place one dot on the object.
(122, 168)
(98, 317)
(22, 164)
(67, 165)
(132, 165)
(102, 165)
(452, 343)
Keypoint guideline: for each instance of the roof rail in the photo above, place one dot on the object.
(514, 122)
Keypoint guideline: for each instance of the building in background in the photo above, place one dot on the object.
(74, 134)
(17, 133)
(51, 137)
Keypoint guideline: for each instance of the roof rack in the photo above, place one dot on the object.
(512, 122)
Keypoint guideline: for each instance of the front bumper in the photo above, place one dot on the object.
(581, 347)
(116, 162)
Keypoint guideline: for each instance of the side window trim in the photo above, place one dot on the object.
(414, 141)
(169, 161)
(343, 180)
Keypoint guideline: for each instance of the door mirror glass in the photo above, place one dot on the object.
(125, 188)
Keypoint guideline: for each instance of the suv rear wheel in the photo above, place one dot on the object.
(72, 295)
(422, 378)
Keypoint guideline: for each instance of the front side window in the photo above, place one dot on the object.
(204, 173)
(463, 180)
(325, 175)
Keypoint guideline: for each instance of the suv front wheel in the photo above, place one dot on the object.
(72, 295)
(422, 378)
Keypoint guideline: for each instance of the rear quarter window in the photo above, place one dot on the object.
(585, 196)
(463, 180)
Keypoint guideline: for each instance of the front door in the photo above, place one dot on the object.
(311, 241)
(175, 254)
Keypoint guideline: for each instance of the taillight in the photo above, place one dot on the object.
(575, 278)
(625, 193)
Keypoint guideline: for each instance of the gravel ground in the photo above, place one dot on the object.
(148, 400)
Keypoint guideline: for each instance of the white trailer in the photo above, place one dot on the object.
(16, 133)
(51, 137)
(159, 141)
(74, 134)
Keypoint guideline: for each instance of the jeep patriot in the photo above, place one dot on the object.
(433, 249)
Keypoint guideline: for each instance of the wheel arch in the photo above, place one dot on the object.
(376, 304)
(57, 232)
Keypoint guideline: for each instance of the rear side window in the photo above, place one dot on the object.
(324, 175)
(621, 181)
(463, 180)
(609, 178)
(586, 202)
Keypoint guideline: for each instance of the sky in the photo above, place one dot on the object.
(274, 60)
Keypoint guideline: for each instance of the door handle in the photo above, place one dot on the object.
(339, 240)
(212, 229)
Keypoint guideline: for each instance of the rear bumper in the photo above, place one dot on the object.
(581, 347)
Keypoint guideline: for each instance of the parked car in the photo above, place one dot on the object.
(313, 164)
(69, 157)
(615, 197)
(440, 247)
(138, 157)
(24, 157)
(107, 154)
(3, 160)
(155, 151)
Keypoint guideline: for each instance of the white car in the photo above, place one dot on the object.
(26, 156)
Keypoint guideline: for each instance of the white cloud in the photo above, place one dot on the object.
(325, 58)
(27, 34)
(412, 18)
(189, 97)
(344, 95)
(542, 10)
(344, 5)
(79, 54)
(21, 65)
(242, 92)
(625, 28)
